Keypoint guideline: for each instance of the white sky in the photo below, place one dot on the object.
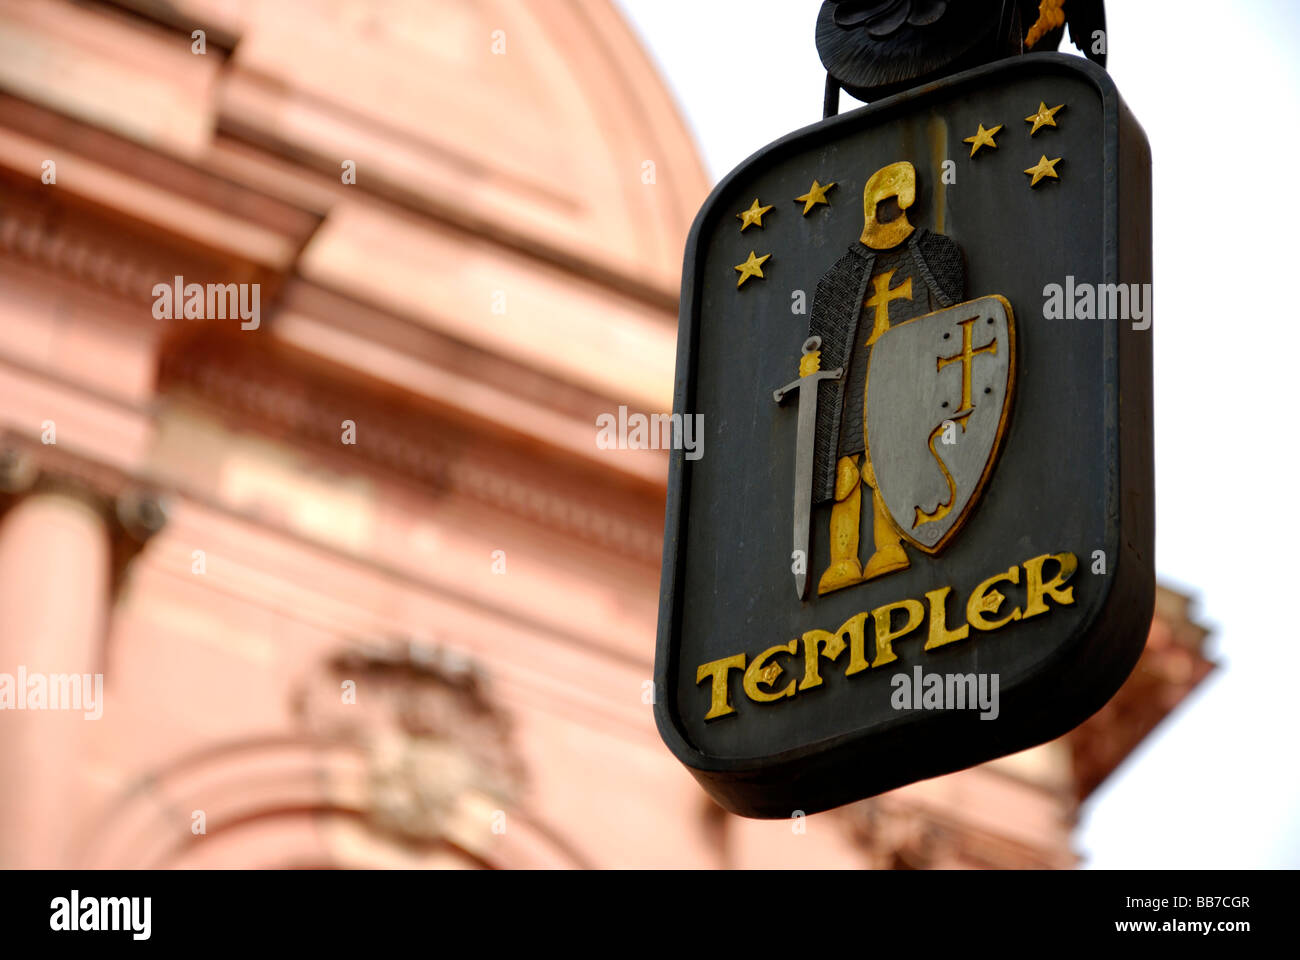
(1216, 87)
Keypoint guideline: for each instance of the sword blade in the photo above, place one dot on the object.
(804, 453)
(803, 470)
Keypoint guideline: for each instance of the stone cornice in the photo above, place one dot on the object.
(85, 244)
(895, 832)
(269, 391)
(1173, 664)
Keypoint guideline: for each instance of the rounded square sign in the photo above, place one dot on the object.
(920, 534)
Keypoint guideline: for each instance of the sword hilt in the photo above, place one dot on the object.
(811, 360)
(809, 366)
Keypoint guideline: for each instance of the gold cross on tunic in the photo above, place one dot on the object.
(966, 357)
(881, 297)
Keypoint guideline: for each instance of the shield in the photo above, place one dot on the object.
(937, 398)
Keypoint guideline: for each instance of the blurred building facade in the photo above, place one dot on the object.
(362, 588)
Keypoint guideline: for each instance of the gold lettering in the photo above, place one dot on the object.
(939, 632)
(984, 601)
(885, 637)
(1036, 589)
(719, 704)
(817, 644)
(762, 672)
(854, 630)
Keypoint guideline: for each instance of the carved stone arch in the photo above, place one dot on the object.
(296, 802)
(402, 759)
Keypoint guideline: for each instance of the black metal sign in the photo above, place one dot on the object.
(919, 338)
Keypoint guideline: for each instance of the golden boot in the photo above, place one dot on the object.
(889, 554)
(846, 518)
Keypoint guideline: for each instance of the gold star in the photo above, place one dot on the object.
(753, 267)
(753, 216)
(1045, 117)
(813, 197)
(1043, 168)
(983, 138)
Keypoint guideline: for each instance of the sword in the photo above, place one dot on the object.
(810, 378)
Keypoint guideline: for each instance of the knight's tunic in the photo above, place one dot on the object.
(840, 317)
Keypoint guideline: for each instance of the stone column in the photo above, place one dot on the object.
(55, 573)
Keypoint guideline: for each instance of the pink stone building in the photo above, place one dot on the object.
(361, 587)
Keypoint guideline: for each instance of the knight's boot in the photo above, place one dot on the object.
(846, 517)
(889, 555)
